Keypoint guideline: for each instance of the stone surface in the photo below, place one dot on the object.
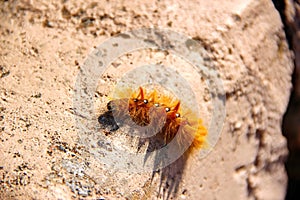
(43, 44)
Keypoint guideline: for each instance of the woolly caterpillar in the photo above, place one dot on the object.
(163, 115)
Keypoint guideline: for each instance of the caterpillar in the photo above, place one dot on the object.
(163, 115)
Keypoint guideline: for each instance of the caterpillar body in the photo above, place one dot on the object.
(163, 115)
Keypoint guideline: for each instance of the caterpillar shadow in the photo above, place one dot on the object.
(170, 175)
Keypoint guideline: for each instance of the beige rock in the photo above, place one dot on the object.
(44, 42)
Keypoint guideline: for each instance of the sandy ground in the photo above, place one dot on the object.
(44, 47)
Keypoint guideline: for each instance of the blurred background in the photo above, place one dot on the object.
(290, 14)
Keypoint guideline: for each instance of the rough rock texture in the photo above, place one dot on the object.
(43, 44)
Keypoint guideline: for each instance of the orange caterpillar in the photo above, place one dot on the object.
(163, 115)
